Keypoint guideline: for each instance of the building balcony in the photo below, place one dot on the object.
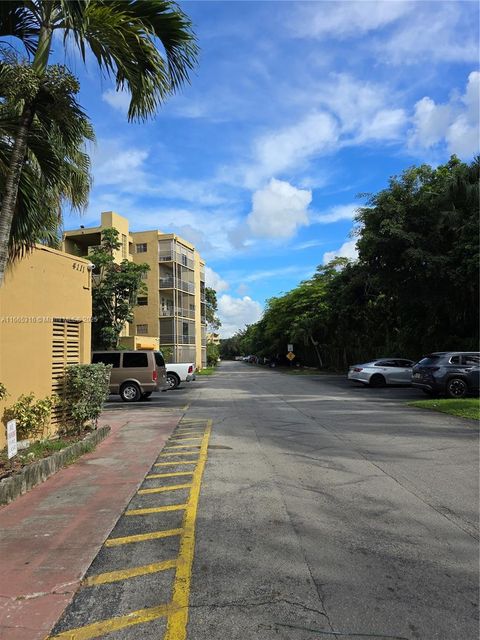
(176, 257)
(170, 312)
(170, 282)
(168, 339)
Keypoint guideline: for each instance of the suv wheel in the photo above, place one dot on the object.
(456, 388)
(130, 392)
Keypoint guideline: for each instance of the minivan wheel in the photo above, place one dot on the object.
(172, 380)
(130, 392)
(377, 380)
(456, 388)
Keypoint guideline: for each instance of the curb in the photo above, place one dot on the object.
(38, 472)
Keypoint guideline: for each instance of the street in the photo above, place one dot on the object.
(325, 511)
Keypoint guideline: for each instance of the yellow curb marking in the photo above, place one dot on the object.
(172, 464)
(181, 446)
(125, 574)
(169, 487)
(98, 629)
(152, 476)
(177, 620)
(147, 510)
(182, 439)
(180, 453)
(140, 537)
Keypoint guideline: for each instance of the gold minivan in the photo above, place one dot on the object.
(135, 374)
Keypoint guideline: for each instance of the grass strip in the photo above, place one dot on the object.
(461, 408)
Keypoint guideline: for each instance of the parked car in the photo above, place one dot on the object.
(451, 373)
(135, 374)
(179, 372)
(383, 371)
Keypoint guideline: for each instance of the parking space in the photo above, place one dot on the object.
(173, 400)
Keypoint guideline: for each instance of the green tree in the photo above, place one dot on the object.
(211, 308)
(56, 169)
(115, 291)
(123, 36)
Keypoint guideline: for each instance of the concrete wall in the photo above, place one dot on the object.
(44, 285)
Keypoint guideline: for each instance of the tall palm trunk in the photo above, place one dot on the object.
(19, 152)
(9, 198)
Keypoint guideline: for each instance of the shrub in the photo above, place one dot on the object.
(87, 388)
(3, 391)
(32, 416)
(213, 353)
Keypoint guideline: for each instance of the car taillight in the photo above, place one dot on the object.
(190, 369)
(357, 369)
(154, 375)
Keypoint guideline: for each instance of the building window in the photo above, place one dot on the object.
(141, 248)
(142, 329)
(124, 246)
(142, 301)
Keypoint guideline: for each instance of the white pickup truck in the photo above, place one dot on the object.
(179, 372)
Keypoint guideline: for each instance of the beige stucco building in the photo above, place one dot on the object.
(45, 324)
(172, 312)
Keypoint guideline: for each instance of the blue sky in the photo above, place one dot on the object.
(295, 109)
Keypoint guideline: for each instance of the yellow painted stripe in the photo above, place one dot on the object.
(126, 574)
(177, 620)
(140, 537)
(102, 627)
(168, 487)
(173, 474)
(172, 464)
(179, 453)
(162, 509)
(181, 446)
(185, 439)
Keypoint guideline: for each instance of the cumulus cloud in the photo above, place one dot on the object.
(344, 19)
(214, 280)
(334, 214)
(116, 163)
(290, 147)
(347, 250)
(279, 210)
(235, 313)
(119, 100)
(454, 124)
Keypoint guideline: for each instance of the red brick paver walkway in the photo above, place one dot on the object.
(49, 536)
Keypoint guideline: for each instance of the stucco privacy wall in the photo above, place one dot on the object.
(44, 286)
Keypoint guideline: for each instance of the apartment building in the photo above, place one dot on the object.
(172, 311)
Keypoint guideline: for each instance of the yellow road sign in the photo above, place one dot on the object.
(290, 356)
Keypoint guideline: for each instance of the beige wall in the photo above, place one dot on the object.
(44, 285)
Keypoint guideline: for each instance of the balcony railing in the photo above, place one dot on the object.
(166, 339)
(169, 312)
(169, 256)
(171, 283)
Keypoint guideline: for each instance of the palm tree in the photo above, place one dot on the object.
(56, 166)
(123, 35)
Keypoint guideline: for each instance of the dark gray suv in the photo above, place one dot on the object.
(451, 373)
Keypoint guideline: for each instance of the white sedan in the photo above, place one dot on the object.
(379, 373)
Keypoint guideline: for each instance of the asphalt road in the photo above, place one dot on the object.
(326, 511)
(332, 507)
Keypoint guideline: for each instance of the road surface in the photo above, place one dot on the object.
(325, 511)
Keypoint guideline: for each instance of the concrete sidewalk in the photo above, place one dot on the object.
(49, 536)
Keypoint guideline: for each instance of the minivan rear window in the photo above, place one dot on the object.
(159, 361)
(429, 360)
(107, 358)
(137, 359)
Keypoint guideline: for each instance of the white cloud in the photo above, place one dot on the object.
(114, 163)
(214, 280)
(454, 124)
(344, 19)
(279, 210)
(235, 313)
(334, 214)
(308, 245)
(119, 100)
(347, 250)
